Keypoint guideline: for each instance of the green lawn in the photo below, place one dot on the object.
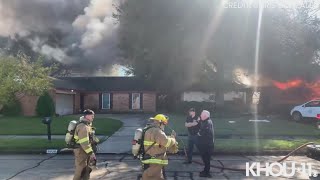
(243, 127)
(251, 145)
(34, 126)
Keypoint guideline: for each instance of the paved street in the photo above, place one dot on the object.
(124, 167)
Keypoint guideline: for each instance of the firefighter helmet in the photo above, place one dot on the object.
(161, 118)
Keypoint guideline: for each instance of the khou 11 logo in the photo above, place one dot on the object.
(279, 169)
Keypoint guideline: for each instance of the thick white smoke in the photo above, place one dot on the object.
(98, 30)
(70, 31)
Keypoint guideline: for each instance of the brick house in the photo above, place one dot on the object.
(101, 94)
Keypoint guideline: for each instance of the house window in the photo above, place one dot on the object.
(106, 101)
(256, 97)
(136, 101)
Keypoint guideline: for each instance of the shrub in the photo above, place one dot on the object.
(45, 106)
(12, 109)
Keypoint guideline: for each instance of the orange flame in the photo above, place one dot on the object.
(289, 84)
(313, 88)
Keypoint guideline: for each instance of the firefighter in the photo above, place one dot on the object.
(156, 144)
(84, 152)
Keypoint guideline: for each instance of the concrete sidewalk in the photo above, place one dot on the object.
(120, 141)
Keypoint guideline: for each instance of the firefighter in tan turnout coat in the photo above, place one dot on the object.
(156, 144)
(86, 141)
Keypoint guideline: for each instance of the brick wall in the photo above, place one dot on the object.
(149, 102)
(91, 101)
(120, 102)
(29, 103)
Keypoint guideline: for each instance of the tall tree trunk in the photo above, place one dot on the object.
(220, 88)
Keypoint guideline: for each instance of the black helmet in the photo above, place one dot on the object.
(88, 112)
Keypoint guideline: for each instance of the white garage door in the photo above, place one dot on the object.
(64, 104)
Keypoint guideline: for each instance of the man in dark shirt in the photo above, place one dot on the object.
(205, 142)
(193, 129)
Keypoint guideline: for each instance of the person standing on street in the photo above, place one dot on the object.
(192, 123)
(205, 142)
(85, 140)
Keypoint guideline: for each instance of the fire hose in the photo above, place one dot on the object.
(240, 169)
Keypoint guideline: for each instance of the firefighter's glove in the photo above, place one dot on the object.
(173, 134)
(175, 148)
(93, 157)
(93, 160)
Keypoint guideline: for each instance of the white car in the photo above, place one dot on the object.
(309, 109)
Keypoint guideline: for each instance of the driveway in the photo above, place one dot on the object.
(120, 141)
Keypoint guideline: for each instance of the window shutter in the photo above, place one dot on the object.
(141, 100)
(111, 100)
(130, 100)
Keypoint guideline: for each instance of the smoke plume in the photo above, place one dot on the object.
(80, 32)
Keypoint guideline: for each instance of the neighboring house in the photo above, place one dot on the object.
(101, 94)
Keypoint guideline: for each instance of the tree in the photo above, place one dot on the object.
(19, 77)
(45, 106)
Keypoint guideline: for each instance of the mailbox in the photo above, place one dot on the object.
(47, 121)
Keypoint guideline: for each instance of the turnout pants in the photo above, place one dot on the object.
(153, 172)
(82, 171)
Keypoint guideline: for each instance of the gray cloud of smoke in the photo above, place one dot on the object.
(70, 31)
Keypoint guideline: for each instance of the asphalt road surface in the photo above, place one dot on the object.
(61, 167)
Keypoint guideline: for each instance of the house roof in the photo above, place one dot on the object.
(102, 84)
(64, 84)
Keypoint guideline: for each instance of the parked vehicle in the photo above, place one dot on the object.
(309, 109)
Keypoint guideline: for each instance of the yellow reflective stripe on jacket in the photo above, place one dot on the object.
(155, 161)
(76, 137)
(83, 140)
(168, 143)
(149, 143)
(88, 150)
